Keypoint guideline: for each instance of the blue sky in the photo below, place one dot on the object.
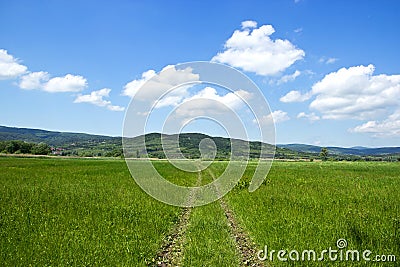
(66, 65)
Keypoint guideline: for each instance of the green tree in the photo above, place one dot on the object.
(12, 146)
(26, 148)
(2, 146)
(41, 149)
(324, 153)
(117, 152)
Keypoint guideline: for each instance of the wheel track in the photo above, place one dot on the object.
(171, 252)
(246, 248)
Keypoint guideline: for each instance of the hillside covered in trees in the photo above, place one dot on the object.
(42, 142)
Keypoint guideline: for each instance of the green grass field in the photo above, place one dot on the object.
(306, 206)
(90, 212)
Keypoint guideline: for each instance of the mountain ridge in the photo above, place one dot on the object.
(357, 150)
(71, 140)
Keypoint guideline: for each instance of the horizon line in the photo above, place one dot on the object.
(120, 136)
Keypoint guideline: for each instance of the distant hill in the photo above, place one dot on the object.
(51, 137)
(358, 151)
(76, 144)
(83, 144)
(98, 145)
(189, 146)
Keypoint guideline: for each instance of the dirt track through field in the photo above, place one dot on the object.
(244, 246)
(171, 252)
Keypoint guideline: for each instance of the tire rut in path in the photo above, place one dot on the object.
(171, 252)
(246, 248)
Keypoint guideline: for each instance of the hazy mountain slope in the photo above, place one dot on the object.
(359, 151)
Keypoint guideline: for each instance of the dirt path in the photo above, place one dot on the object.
(245, 247)
(171, 253)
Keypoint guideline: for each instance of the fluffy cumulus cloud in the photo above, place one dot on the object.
(312, 116)
(68, 83)
(385, 128)
(231, 100)
(97, 98)
(9, 66)
(34, 80)
(253, 50)
(169, 77)
(205, 102)
(41, 80)
(276, 116)
(295, 96)
(279, 116)
(355, 93)
(132, 87)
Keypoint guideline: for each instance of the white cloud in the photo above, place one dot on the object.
(68, 83)
(115, 108)
(288, 77)
(169, 77)
(331, 60)
(41, 80)
(33, 80)
(356, 93)
(169, 101)
(328, 60)
(231, 100)
(253, 50)
(311, 116)
(96, 98)
(208, 102)
(249, 24)
(132, 87)
(174, 97)
(295, 96)
(385, 128)
(276, 116)
(279, 116)
(9, 66)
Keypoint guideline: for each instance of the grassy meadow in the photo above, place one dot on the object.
(310, 205)
(59, 212)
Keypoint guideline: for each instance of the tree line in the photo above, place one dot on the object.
(21, 147)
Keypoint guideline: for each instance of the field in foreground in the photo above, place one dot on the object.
(91, 212)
